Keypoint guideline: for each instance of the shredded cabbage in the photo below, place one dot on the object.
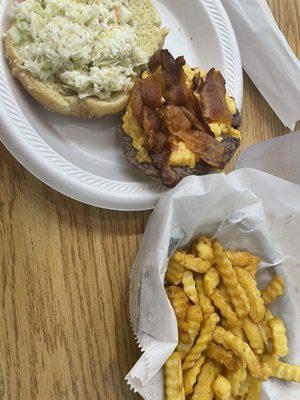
(89, 45)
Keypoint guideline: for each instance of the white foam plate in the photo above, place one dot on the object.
(83, 159)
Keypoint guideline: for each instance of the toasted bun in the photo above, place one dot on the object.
(150, 170)
(55, 98)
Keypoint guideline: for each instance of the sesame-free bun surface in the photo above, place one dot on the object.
(54, 97)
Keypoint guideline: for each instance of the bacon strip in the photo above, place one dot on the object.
(172, 67)
(212, 94)
(209, 149)
(137, 101)
(151, 93)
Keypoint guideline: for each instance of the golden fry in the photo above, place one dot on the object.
(179, 301)
(222, 388)
(287, 372)
(203, 387)
(236, 378)
(278, 333)
(265, 333)
(236, 292)
(235, 328)
(191, 262)
(270, 363)
(222, 356)
(248, 283)
(174, 273)
(173, 378)
(225, 308)
(204, 250)
(253, 335)
(241, 348)
(244, 259)
(202, 341)
(189, 286)
(205, 301)
(211, 281)
(194, 319)
(183, 331)
(244, 386)
(224, 292)
(183, 348)
(254, 390)
(190, 376)
(273, 290)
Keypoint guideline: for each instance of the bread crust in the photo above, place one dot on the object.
(53, 99)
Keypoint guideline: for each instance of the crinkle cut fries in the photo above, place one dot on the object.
(229, 341)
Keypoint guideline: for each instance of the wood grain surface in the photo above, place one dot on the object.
(64, 274)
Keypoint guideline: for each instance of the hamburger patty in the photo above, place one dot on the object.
(181, 172)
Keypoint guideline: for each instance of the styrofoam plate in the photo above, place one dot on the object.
(83, 159)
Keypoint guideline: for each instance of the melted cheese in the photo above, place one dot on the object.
(218, 130)
(231, 104)
(182, 156)
(136, 132)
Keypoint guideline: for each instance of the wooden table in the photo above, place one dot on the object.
(64, 273)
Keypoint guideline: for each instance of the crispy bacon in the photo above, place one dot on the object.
(160, 157)
(151, 93)
(212, 94)
(151, 125)
(170, 66)
(209, 149)
(137, 101)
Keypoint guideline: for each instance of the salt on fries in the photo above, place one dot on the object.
(229, 342)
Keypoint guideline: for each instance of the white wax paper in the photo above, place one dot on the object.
(267, 57)
(246, 209)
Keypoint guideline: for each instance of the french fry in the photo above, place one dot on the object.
(204, 250)
(222, 356)
(194, 319)
(225, 308)
(173, 378)
(236, 292)
(287, 372)
(179, 301)
(236, 378)
(248, 283)
(265, 333)
(254, 390)
(273, 290)
(222, 388)
(211, 281)
(190, 376)
(270, 363)
(244, 259)
(278, 333)
(235, 328)
(184, 331)
(191, 262)
(174, 273)
(253, 335)
(224, 292)
(203, 387)
(189, 286)
(205, 301)
(240, 348)
(244, 386)
(183, 348)
(202, 341)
